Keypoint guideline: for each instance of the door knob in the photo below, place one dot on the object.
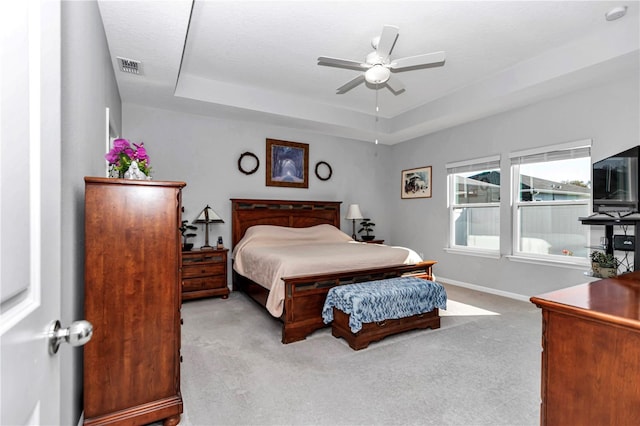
(77, 334)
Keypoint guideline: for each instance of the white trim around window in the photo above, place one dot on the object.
(474, 207)
(554, 205)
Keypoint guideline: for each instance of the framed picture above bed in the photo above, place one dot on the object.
(416, 183)
(287, 164)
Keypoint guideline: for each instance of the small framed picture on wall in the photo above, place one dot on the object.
(416, 183)
(287, 164)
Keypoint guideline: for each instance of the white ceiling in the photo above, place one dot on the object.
(257, 60)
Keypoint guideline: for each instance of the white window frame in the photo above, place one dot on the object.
(547, 153)
(478, 164)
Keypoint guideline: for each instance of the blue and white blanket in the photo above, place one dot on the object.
(384, 299)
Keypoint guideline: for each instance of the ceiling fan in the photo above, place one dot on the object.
(378, 66)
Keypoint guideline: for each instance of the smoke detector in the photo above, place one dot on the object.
(616, 13)
(130, 66)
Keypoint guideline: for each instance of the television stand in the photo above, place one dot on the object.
(609, 223)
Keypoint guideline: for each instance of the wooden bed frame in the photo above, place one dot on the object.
(304, 295)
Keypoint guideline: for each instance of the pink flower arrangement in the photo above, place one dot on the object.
(123, 154)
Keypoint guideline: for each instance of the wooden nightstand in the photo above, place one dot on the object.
(204, 274)
(372, 241)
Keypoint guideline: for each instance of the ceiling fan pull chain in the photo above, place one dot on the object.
(377, 109)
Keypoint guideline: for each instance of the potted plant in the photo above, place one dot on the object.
(184, 230)
(122, 157)
(367, 227)
(604, 265)
(595, 262)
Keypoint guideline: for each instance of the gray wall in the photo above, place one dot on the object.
(88, 87)
(607, 114)
(204, 152)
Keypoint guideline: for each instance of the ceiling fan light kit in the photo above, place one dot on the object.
(378, 64)
(377, 74)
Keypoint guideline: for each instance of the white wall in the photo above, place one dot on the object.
(608, 114)
(204, 152)
(88, 87)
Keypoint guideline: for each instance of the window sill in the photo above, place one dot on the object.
(490, 254)
(581, 264)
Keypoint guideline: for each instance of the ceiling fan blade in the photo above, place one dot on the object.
(395, 85)
(428, 59)
(350, 85)
(342, 63)
(387, 40)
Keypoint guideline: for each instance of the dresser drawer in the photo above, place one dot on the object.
(205, 283)
(202, 269)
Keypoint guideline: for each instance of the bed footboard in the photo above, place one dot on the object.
(305, 295)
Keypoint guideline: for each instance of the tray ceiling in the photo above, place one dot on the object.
(257, 60)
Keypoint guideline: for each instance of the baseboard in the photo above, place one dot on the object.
(490, 290)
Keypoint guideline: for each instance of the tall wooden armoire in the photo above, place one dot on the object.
(133, 299)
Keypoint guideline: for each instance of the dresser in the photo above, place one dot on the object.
(204, 273)
(133, 300)
(591, 353)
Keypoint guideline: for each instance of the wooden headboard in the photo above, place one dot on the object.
(294, 214)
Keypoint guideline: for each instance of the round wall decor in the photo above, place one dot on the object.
(323, 170)
(248, 157)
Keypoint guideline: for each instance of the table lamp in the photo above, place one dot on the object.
(354, 213)
(207, 216)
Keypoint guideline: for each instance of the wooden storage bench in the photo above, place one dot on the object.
(374, 331)
(367, 312)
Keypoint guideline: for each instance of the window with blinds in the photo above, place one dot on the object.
(474, 204)
(551, 190)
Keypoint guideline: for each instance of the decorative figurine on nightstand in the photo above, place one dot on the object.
(220, 243)
(184, 230)
(367, 227)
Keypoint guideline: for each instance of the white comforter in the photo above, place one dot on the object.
(268, 253)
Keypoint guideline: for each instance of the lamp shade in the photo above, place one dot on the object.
(208, 215)
(354, 212)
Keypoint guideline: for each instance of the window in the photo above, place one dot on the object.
(474, 205)
(551, 190)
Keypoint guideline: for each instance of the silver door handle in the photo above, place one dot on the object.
(77, 334)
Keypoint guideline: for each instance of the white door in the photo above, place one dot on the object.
(29, 210)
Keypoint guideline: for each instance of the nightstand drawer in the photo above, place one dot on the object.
(202, 269)
(191, 258)
(195, 284)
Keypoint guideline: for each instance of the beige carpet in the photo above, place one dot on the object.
(482, 367)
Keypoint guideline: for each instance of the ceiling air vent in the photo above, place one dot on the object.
(130, 66)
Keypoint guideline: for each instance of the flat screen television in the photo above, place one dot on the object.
(614, 183)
